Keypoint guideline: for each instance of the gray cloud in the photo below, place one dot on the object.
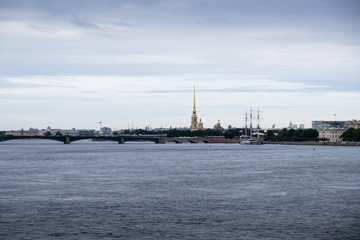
(245, 90)
(5, 83)
(315, 43)
(85, 24)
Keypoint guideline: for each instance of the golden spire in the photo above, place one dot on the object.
(194, 109)
(194, 122)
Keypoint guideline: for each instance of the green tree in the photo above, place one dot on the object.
(271, 135)
(310, 133)
(127, 131)
(352, 135)
(231, 133)
(290, 133)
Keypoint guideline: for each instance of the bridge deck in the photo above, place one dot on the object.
(125, 138)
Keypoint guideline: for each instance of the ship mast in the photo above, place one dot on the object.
(246, 123)
(258, 122)
(251, 118)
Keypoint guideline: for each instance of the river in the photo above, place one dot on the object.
(105, 190)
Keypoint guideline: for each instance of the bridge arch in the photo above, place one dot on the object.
(11, 137)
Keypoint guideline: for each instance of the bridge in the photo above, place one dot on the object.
(69, 139)
(126, 138)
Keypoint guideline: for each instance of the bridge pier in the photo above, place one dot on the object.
(122, 140)
(67, 140)
(161, 140)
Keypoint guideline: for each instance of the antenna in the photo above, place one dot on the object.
(100, 125)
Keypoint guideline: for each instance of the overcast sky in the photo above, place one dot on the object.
(75, 63)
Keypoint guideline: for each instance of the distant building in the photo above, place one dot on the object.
(15, 133)
(200, 125)
(195, 125)
(33, 130)
(105, 131)
(218, 127)
(331, 130)
(301, 126)
(331, 134)
(183, 128)
(69, 132)
(86, 133)
(318, 125)
(353, 124)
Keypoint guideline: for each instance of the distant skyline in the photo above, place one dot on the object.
(73, 63)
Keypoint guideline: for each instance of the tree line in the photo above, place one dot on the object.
(351, 135)
(271, 135)
(292, 135)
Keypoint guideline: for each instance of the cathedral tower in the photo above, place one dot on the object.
(194, 122)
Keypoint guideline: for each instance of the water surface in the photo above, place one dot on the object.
(101, 190)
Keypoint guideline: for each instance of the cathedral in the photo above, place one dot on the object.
(195, 125)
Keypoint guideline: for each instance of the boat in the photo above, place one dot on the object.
(248, 140)
(245, 139)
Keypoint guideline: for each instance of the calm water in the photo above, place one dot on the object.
(88, 190)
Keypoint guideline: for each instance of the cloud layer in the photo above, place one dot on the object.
(125, 60)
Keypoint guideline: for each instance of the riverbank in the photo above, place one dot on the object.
(317, 143)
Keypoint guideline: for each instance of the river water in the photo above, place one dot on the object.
(101, 190)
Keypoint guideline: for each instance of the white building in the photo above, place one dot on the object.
(332, 134)
(105, 131)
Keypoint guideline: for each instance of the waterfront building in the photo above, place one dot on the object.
(330, 130)
(332, 134)
(324, 125)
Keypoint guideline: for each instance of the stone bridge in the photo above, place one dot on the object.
(127, 138)
(69, 139)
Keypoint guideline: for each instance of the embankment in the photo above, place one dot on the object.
(317, 143)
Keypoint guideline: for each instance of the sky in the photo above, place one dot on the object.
(133, 63)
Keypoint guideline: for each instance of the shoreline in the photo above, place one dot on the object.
(355, 144)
